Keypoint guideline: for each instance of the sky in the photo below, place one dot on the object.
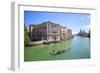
(74, 21)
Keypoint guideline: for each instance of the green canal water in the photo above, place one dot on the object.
(79, 49)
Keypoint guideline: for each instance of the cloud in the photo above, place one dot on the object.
(85, 17)
(82, 18)
(87, 27)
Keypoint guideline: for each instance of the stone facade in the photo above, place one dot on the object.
(49, 31)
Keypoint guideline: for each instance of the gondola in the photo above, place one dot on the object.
(60, 52)
(46, 43)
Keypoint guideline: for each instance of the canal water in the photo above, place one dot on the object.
(79, 49)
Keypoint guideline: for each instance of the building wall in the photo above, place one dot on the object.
(49, 31)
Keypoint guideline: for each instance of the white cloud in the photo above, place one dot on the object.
(87, 27)
(83, 18)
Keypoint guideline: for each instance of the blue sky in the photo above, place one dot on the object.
(74, 21)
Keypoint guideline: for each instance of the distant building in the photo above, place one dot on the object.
(84, 33)
(69, 33)
(48, 31)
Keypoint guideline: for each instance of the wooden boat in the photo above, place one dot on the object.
(46, 43)
(60, 52)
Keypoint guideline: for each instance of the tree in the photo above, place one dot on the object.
(26, 36)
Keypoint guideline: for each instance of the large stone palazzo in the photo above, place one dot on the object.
(49, 31)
